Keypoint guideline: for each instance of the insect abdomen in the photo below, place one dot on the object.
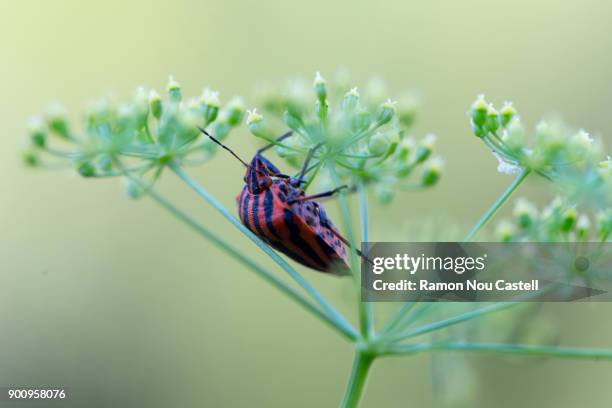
(283, 229)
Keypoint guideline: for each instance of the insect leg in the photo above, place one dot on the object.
(323, 194)
(311, 153)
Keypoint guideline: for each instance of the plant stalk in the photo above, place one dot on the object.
(503, 348)
(497, 204)
(364, 315)
(359, 374)
(364, 223)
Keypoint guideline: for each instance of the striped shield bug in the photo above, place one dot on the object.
(274, 207)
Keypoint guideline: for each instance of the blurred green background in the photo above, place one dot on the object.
(119, 302)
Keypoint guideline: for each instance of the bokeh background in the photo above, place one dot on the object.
(117, 301)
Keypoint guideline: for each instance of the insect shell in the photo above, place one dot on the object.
(268, 205)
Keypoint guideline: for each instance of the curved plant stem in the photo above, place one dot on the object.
(497, 204)
(357, 380)
(237, 255)
(331, 312)
(519, 349)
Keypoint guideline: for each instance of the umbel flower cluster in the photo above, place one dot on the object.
(557, 222)
(364, 136)
(573, 159)
(138, 137)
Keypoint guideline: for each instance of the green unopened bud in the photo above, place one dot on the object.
(505, 231)
(407, 110)
(257, 124)
(514, 135)
(492, 122)
(403, 170)
(553, 209)
(525, 213)
(479, 111)
(222, 128)
(507, 113)
(36, 129)
(549, 137)
(292, 119)
(57, 121)
(568, 219)
(210, 105)
(425, 148)
(155, 104)
(384, 193)
(361, 120)
(174, 90)
(235, 111)
(321, 109)
(378, 144)
(479, 131)
(386, 112)
(405, 148)
(432, 172)
(351, 100)
(141, 102)
(30, 159)
(86, 169)
(133, 189)
(604, 224)
(320, 87)
(582, 226)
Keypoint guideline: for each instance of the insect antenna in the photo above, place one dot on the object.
(224, 146)
(279, 139)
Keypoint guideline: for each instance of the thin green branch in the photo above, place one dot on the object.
(503, 348)
(497, 204)
(451, 321)
(363, 219)
(331, 312)
(350, 236)
(409, 313)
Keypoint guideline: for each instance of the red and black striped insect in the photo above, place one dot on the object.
(276, 209)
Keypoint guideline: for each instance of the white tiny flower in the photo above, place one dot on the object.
(210, 97)
(253, 116)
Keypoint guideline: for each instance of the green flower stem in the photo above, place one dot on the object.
(246, 261)
(519, 349)
(397, 318)
(331, 312)
(348, 227)
(405, 316)
(451, 321)
(359, 374)
(497, 204)
(363, 219)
